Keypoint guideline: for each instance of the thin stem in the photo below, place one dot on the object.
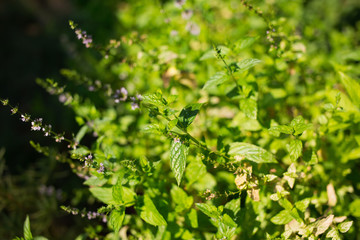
(218, 53)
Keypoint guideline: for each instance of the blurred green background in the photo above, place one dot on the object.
(37, 42)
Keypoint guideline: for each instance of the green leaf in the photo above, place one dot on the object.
(104, 194)
(181, 199)
(247, 63)
(247, 42)
(314, 159)
(81, 133)
(333, 234)
(228, 221)
(295, 149)
(95, 181)
(150, 214)
(155, 99)
(172, 124)
(249, 107)
(208, 210)
(355, 208)
(282, 218)
(282, 129)
(251, 152)
(27, 230)
(188, 114)
(323, 225)
(117, 218)
(345, 226)
(117, 193)
(286, 204)
(299, 125)
(352, 88)
(211, 54)
(192, 218)
(303, 204)
(178, 153)
(215, 80)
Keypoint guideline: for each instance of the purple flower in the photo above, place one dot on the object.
(187, 14)
(101, 169)
(59, 137)
(179, 3)
(134, 105)
(36, 124)
(25, 117)
(47, 130)
(193, 28)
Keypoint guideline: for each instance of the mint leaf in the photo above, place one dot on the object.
(282, 129)
(249, 107)
(188, 114)
(27, 231)
(117, 193)
(295, 149)
(352, 88)
(215, 80)
(208, 210)
(149, 213)
(299, 125)
(247, 63)
(178, 153)
(345, 226)
(155, 99)
(282, 218)
(117, 218)
(251, 152)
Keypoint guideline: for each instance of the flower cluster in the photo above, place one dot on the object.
(36, 125)
(120, 95)
(83, 213)
(86, 39)
(209, 195)
(47, 130)
(50, 191)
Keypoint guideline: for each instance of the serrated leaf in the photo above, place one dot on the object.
(117, 193)
(323, 225)
(188, 114)
(212, 53)
(345, 226)
(208, 210)
(251, 152)
(333, 234)
(247, 63)
(352, 88)
(116, 219)
(282, 129)
(303, 204)
(282, 218)
(155, 99)
(295, 149)
(299, 125)
(249, 107)
(215, 80)
(27, 230)
(152, 128)
(178, 153)
(150, 214)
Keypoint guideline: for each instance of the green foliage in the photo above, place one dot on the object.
(188, 135)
